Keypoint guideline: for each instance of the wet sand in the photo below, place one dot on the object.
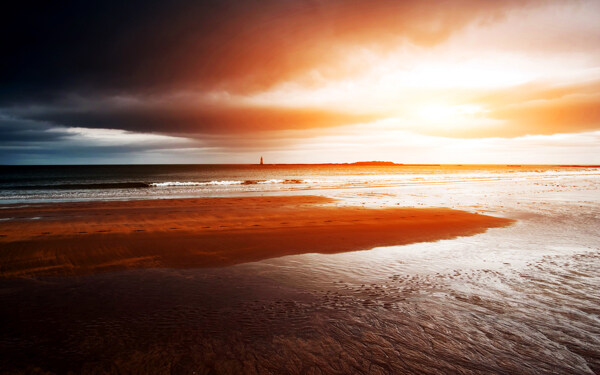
(90, 237)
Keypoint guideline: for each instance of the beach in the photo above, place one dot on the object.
(83, 238)
(490, 271)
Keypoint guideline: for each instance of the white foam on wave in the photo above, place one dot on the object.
(191, 183)
(225, 182)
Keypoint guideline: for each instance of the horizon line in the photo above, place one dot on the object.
(360, 163)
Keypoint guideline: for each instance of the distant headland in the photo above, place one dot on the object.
(375, 162)
(357, 163)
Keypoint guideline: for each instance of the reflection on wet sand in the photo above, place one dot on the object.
(228, 322)
(90, 237)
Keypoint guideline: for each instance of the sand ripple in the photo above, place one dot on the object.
(541, 320)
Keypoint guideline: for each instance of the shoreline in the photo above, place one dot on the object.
(78, 238)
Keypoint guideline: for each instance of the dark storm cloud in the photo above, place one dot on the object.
(35, 142)
(182, 117)
(153, 46)
(67, 153)
(99, 50)
(18, 131)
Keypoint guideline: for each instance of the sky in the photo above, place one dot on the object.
(300, 81)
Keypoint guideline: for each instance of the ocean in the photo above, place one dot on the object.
(20, 184)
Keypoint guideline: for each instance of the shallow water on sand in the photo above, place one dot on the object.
(520, 299)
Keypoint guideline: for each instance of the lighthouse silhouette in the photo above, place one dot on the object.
(261, 160)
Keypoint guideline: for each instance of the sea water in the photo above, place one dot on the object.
(20, 184)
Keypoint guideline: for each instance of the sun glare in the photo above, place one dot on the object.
(444, 112)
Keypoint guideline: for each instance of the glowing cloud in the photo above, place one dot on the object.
(236, 75)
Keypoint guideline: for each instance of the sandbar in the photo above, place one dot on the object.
(78, 238)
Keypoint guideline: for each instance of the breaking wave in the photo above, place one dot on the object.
(225, 182)
(99, 186)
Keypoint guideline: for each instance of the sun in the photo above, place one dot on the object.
(434, 112)
(444, 112)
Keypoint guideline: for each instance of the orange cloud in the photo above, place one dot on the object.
(565, 115)
(187, 117)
